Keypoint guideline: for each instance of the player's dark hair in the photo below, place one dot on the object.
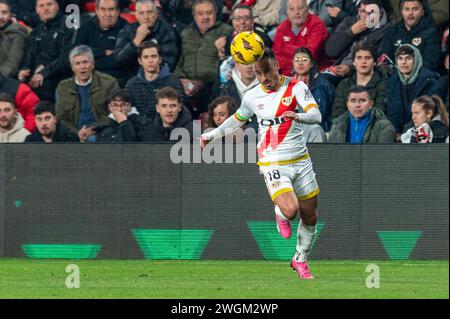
(148, 45)
(268, 54)
(43, 107)
(168, 93)
(433, 103)
(359, 89)
(232, 105)
(364, 46)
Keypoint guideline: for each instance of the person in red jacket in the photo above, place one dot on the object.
(300, 29)
(24, 98)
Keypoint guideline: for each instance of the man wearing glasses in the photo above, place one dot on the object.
(242, 20)
(125, 124)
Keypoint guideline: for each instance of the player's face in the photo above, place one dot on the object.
(302, 63)
(363, 62)
(46, 9)
(169, 110)
(419, 115)
(297, 11)
(412, 12)
(7, 116)
(146, 13)
(266, 71)
(405, 63)
(5, 15)
(107, 13)
(242, 20)
(220, 113)
(150, 60)
(359, 104)
(204, 16)
(46, 123)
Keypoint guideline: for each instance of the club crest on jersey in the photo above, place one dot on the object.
(287, 100)
(416, 41)
(308, 95)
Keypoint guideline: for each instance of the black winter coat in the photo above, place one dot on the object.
(127, 131)
(101, 40)
(62, 134)
(162, 33)
(156, 132)
(49, 44)
(143, 92)
(424, 36)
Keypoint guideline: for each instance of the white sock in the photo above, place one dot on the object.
(279, 213)
(305, 239)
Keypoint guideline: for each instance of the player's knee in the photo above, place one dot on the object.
(290, 210)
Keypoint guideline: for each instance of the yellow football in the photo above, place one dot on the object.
(247, 47)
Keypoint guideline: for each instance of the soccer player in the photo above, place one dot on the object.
(283, 157)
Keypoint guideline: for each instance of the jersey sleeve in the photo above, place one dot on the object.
(244, 112)
(304, 97)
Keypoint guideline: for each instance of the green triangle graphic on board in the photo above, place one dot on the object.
(61, 251)
(271, 244)
(172, 243)
(399, 244)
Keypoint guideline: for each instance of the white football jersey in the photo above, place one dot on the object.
(279, 141)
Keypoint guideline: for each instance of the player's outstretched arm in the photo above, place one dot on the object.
(231, 125)
(312, 116)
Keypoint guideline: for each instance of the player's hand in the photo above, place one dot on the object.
(291, 115)
(203, 142)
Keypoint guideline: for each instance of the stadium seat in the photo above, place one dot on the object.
(90, 7)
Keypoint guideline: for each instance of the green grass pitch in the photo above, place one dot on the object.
(177, 279)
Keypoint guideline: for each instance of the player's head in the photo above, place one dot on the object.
(266, 70)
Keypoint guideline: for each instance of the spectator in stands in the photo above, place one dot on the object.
(45, 61)
(219, 110)
(12, 42)
(100, 34)
(343, 9)
(152, 76)
(82, 101)
(266, 12)
(443, 80)
(429, 121)
(362, 123)
(11, 122)
(300, 29)
(148, 28)
(416, 28)
(171, 115)
(49, 129)
(201, 44)
(241, 79)
(306, 70)
(24, 99)
(242, 20)
(124, 122)
(409, 82)
(439, 10)
(367, 75)
(369, 25)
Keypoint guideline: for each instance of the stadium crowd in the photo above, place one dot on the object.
(132, 71)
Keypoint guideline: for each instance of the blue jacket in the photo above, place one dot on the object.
(323, 92)
(400, 97)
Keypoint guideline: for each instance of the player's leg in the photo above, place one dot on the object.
(281, 191)
(307, 191)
